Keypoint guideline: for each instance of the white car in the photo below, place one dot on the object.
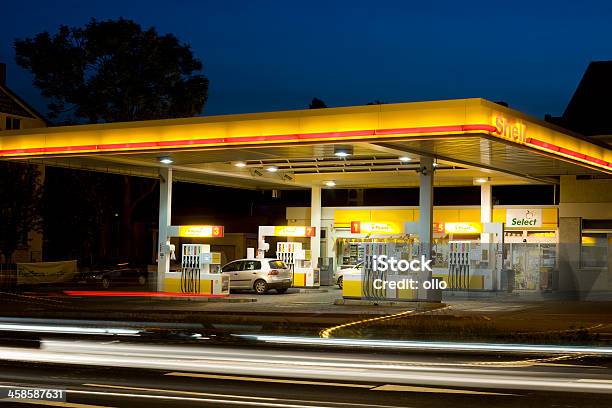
(258, 274)
(346, 270)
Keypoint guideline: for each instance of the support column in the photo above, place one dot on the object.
(426, 176)
(315, 221)
(485, 210)
(165, 211)
(426, 205)
(486, 239)
(485, 203)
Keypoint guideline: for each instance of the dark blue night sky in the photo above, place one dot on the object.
(275, 55)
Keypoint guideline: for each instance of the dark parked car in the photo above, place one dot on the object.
(107, 276)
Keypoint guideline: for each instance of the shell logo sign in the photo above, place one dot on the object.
(514, 131)
(358, 227)
(201, 231)
(291, 231)
(463, 228)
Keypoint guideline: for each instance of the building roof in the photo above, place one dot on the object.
(12, 104)
(9, 104)
(588, 111)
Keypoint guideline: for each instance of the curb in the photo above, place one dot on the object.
(388, 303)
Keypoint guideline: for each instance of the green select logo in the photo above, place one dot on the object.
(518, 221)
(523, 217)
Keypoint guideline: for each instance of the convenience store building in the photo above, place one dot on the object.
(532, 249)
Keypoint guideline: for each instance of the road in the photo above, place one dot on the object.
(124, 372)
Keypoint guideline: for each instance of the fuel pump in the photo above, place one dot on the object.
(200, 272)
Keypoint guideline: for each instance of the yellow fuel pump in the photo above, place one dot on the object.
(200, 272)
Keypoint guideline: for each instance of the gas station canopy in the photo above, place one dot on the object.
(365, 146)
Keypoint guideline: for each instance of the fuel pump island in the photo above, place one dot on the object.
(305, 274)
(200, 271)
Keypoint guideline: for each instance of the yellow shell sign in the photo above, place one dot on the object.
(200, 231)
(514, 131)
(293, 231)
(387, 228)
(463, 228)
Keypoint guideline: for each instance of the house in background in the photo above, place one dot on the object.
(15, 114)
(585, 204)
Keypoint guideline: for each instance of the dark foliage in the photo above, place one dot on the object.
(317, 103)
(113, 70)
(20, 201)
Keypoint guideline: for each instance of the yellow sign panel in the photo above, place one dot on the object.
(294, 231)
(200, 231)
(384, 228)
(463, 228)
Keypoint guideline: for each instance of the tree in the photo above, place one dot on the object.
(20, 203)
(317, 103)
(376, 102)
(112, 70)
(89, 213)
(109, 71)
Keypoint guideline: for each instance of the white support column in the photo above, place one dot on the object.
(426, 205)
(426, 178)
(315, 221)
(485, 202)
(485, 237)
(165, 211)
(485, 210)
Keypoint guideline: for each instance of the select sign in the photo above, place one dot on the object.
(524, 217)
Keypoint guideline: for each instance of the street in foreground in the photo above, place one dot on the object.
(103, 373)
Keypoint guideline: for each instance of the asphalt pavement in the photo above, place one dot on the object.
(497, 320)
(121, 372)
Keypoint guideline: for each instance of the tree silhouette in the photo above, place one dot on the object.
(113, 70)
(109, 71)
(20, 203)
(317, 103)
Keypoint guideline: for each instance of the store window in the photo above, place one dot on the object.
(12, 123)
(594, 250)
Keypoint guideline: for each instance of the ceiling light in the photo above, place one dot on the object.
(166, 160)
(330, 183)
(240, 164)
(272, 169)
(405, 159)
(481, 180)
(435, 164)
(343, 151)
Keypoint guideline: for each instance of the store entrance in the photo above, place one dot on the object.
(533, 265)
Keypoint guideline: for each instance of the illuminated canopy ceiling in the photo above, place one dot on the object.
(470, 139)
